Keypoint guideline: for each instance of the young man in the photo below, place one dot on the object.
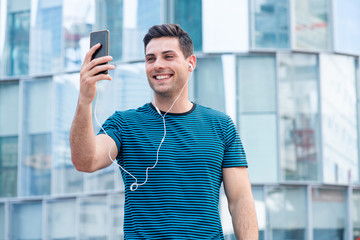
(173, 189)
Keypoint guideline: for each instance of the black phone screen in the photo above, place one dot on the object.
(101, 37)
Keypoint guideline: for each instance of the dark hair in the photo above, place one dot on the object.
(171, 30)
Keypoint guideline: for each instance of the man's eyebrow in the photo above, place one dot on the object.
(149, 54)
(168, 51)
(164, 52)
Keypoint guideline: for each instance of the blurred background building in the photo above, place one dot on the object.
(286, 71)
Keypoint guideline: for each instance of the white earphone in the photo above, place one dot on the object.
(134, 186)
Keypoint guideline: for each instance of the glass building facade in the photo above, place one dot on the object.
(287, 72)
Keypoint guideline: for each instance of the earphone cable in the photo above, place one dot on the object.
(135, 185)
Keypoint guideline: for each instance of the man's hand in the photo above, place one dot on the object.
(88, 74)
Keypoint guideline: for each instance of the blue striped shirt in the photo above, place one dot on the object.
(180, 199)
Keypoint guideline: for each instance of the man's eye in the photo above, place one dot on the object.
(150, 59)
(169, 56)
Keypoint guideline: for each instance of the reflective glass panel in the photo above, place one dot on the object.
(347, 32)
(188, 14)
(116, 216)
(45, 47)
(355, 211)
(94, 218)
(109, 15)
(9, 105)
(270, 24)
(66, 178)
(260, 208)
(61, 219)
(339, 120)
(17, 36)
(312, 28)
(287, 213)
(209, 83)
(299, 116)
(137, 20)
(259, 131)
(256, 86)
(78, 21)
(2, 221)
(37, 140)
(26, 222)
(329, 214)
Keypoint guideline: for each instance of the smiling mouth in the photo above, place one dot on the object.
(162, 77)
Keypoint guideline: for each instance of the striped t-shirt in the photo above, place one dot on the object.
(180, 199)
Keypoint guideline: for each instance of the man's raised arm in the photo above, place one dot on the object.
(89, 152)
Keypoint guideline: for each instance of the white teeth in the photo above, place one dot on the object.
(160, 77)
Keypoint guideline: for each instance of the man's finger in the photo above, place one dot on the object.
(89, 54)
(98, 61)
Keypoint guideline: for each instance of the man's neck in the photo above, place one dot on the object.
(182, 105)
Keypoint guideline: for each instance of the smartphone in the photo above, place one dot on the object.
(101, 37)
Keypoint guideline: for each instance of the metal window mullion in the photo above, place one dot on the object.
(7, 220)
(277, 112)
(78, 218)
(292, 24)
(52, 132)
(349, 218)
(309, 224)
(20, 138)
(267, 231)
(44, 220)
(320, 124)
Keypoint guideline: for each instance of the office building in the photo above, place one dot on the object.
(286, 71)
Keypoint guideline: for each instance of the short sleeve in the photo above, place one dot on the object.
(234, 154)
(113, 128)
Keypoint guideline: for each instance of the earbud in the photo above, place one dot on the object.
(191, 66)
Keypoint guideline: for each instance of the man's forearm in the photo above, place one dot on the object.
(244, 219)
(82, 138)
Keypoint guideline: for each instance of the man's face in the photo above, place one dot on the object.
(167, 69)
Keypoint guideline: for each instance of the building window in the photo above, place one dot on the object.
(355, 211)
(339, 118)
(287, 203)
(346, 32)
(26, 221)
(329, 213)
(17, 35)
(299, 117)
(94, 218)
(66, 178)
(36, 139)
(270, 24)
(312, 28)
(256, 107)
(9, 105)
(137, 19)
(209, 83)
(61, 219)
(188, 14)
(46, 41)
(77, 24)
(2, 221)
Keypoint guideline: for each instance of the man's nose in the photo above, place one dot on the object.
(159, 64)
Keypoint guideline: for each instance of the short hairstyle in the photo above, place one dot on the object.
(171, 30)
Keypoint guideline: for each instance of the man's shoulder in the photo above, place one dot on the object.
(210, 112)
(129, 114)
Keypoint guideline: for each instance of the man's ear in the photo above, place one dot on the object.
(192, 62)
